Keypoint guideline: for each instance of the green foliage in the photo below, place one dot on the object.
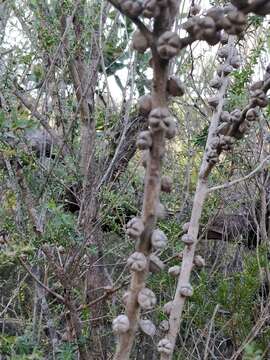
(24, 345)
(11, 254)
(20, 348)
(38, 72)
(114, 57)
(201, 138)
(117, 209)
(15, 122)
(173, 230)
(60, 227)
(237, 295)
(141, 80)
(66, 352)
(252, 352)
(237, 94)
(255, 21)
(6, 344)
(101, 118)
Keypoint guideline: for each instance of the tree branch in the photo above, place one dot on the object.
(236, 181)
(59, 297)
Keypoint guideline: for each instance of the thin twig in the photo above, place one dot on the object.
(209, 332)
(59, 297)
(236, 181)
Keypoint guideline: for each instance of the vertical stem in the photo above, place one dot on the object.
(77, 326)
(187, 264)
(151, 198)
(162, 23)
(198, 202)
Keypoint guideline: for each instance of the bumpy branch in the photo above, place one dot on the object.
(224, 128)
(164, 45)
(184, 289)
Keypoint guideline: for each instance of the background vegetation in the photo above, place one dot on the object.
(62, 221)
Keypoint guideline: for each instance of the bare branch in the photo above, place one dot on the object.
(57, 296)
(244, 178)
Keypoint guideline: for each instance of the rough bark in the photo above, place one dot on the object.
(189, 251)
(152, 185)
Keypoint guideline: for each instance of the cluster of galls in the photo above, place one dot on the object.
(209, 27)
(147, 8)
(145, 107)
(218, 144)
(235, 124)
(257, 95)
(223, 141)
(168, 45)
(231, 18)
(258, 7)
(159, 121)
(138, 262)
